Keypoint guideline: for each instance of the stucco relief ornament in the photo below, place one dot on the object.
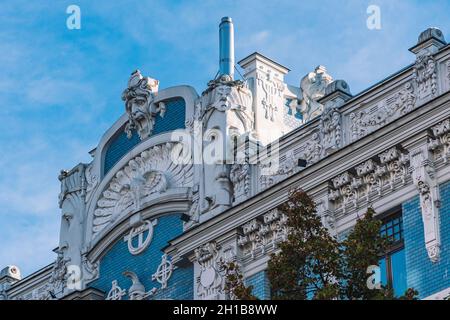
(396, 164)
(448, 70)
(345, 191)
(448, 73)
(151, 172)
(240, 178)
(210, 279)
(313, 87)
(137, 289)
(92, 181)
(194, 124)
(425, 75)
(226, 94)
(404, 100)
(273, 89)
(331, 128)
(366, 121)
(441, 145)
(269, 109)
(164, 271)
(259, 236)
(290, 164)
(139, 105)
(116, 292)
(144, 235)
(371, 174)
(422, 174)
(194, 210)
(313, 149)
(58, 277)
(90, 269)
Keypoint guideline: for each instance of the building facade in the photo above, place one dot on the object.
(183, 182)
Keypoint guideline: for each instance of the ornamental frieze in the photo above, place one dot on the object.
(263, 234)
(365, 121)
(372, 179)
(425, 76)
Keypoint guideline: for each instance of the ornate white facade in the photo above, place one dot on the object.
(229, 157)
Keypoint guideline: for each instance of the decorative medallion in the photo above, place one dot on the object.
(116, 292)
(143, 239)
(163, 272)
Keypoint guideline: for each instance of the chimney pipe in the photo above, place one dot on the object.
(226, 50)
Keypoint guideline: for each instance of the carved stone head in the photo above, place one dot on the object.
(223, 98)
(138, 97)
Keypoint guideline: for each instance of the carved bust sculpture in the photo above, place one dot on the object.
(138, 97)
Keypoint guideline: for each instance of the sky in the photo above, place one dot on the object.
(60, 89)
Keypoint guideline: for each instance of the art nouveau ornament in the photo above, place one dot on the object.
(272, 89)
(72, 201)
(423, 177)
(448, 70)
(139, 105)
(227, 106)
(150, 173)
(440, 145)
(90, 269)
(92, 181)
(225, 94)
(210, 277)
(331, 128)
(370, 119)
(137, 289)
(313, 87)
(143, 233)
(374, 178)
(58, 279)
(164, 271)
(116, 292)
(240, 178)
(311, 150)
(261, 235)
(425, 75)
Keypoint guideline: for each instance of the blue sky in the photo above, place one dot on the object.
(60, 89)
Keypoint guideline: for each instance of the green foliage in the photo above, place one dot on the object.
(234, 284)
(311, 264)
(308, 263)
(410, 294)
(362, 249)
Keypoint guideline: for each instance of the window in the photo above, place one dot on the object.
(393, 265)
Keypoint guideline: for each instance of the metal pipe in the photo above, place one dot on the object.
(226, 49)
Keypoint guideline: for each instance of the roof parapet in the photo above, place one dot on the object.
(430, 40)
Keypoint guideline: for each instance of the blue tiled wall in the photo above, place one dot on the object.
(118, 259)
(261, 286)
(173, 119)
(120, 145)
(423, 275)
